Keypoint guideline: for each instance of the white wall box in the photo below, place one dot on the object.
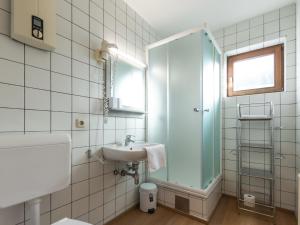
(33, 22)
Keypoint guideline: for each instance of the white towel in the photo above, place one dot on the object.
(156, 156)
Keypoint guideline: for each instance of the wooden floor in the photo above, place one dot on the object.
(225, 214)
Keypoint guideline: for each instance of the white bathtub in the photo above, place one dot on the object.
(202, 202)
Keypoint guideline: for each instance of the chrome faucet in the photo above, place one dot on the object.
(129, 139)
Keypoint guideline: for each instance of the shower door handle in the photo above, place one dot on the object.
(198, 110)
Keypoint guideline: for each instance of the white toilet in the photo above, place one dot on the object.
(32, 166)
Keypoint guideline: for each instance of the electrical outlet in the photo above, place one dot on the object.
(80, 123)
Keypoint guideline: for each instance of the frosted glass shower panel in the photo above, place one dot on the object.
(208, 111)
(217, 114)
(158, 101)
(184, 123)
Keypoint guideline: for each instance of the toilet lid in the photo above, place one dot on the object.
(67, 221)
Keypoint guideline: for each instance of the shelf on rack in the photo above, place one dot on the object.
(258, 199)
(254, 117)
(263, 146)
(262, 209)
(258, 173)
(255, 150)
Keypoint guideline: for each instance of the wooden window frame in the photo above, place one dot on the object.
(278, 51)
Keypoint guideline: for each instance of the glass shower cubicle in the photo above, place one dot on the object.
(184, 108)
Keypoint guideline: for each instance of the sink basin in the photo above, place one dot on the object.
(115, 152)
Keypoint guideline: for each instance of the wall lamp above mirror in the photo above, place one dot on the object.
(105, 51)
(108, 50)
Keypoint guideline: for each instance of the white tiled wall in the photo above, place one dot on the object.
(246, 34)
(45, 92)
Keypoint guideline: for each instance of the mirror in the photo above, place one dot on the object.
(126, 86)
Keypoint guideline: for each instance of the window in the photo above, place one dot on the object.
(255, 72)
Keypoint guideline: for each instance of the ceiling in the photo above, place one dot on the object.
(172, 16)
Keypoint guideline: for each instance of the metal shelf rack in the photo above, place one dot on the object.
(255, 157)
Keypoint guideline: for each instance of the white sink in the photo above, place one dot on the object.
(131, 153)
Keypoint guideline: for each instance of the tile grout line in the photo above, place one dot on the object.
(71, 127)
(89, 119)
(24, 47)
(103, 166)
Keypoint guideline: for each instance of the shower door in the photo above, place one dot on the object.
(184, 116)
(174, 102)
